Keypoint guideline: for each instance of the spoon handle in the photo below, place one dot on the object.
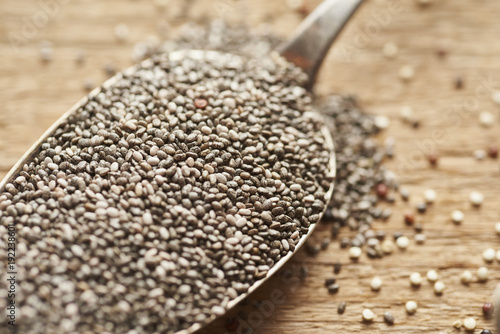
(309, 43)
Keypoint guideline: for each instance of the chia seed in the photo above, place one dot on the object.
(341, 308)
(334, 288)
(389, 318)
(337, 267)
(421, 207)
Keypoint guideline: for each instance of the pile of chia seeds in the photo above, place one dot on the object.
(165, 196)
(359, 171)
(171, 191)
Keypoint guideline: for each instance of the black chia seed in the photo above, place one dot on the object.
(337, 267)
(341, 308)
(421, 207)
(330, 281)
(334, 288)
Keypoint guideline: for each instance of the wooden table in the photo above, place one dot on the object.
(34, 94)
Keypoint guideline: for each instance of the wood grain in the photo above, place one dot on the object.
(34, 94)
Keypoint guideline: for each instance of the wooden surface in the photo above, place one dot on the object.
(35, 94)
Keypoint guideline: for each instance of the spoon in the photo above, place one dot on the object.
(307, 49)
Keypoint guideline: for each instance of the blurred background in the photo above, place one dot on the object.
(440, 58)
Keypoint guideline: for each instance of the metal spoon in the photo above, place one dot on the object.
(307, 49)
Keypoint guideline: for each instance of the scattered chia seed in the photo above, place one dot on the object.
(420, 238)
(386, 214)
(459, 82)
(389, 318)
(341, 308)
(418, 228)
(311, 249)
(325, 243)
(488, 310)
(421, 207)
(337, 267)
(330, 281)
(372, 253)
(334, 231)
(380, 235)
(486, 331)
(334, 288)
(344, 243)
(303, 272)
